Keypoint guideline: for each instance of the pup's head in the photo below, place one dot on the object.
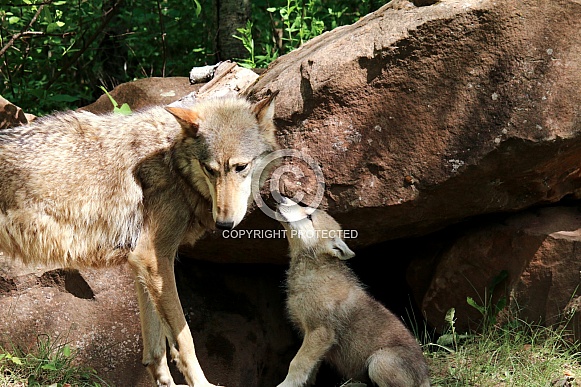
(309, 229)
(224, 140)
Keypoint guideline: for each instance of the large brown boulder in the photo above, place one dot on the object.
(236, 315)
(142, 93)
(536, 250)
(94, 311)
(421, 117)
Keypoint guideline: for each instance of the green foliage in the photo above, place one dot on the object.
(54, 54)
(288, 24)
(451, 339)
(34, 60)
(123, 110)
(490, 310)
(49, 364)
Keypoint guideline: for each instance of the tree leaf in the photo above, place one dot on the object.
(198, 9)
(52, 27)
(124, 109)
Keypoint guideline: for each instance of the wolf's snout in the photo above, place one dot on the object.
(225, 225)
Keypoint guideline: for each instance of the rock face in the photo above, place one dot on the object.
(144, 92)
(538, 250)
(423, 116)
(95, 311)
(236, 317)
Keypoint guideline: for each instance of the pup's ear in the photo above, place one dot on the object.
(264, 110)
(188, 119)
(341, 250)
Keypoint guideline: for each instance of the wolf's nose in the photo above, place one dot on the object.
(225, 225)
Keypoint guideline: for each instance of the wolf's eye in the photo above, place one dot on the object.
(209, 171)
(240, 167)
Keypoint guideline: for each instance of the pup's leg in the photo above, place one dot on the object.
(155, 273)
(315, 344)
(392, 367)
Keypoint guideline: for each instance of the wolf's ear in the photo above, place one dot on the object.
(264, 109)
(341, 250)
(188, 119)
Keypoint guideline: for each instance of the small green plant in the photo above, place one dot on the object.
(123, 110)
(449, 340)
(488, 309)
(248, 41)
(254, 60)
(49, 364)
(301, 23)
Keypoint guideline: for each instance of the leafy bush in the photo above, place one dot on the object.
(56, 53)
(287, 24)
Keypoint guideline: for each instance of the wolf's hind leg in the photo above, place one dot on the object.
(393, 367)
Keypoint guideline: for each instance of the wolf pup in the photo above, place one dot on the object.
(340, 322)
(81, 190)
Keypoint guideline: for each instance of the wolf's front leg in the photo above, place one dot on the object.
(305, 363)
(153, 336)
(155, 274)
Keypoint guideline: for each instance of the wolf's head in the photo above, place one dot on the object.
(224, 140)
(309, 229)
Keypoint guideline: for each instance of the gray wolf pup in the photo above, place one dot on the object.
(79, 190)
(339, 320)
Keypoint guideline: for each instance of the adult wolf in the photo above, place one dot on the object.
(78, 190)
(339, 320)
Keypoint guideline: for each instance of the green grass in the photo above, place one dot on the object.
(505, 351)
(48, 364)
(514, 354)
